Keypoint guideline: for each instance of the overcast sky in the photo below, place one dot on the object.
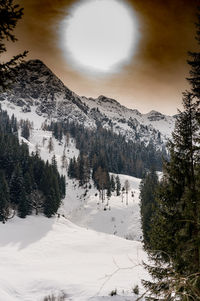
(153, 77)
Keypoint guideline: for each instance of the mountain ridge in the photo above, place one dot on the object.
(37, 86)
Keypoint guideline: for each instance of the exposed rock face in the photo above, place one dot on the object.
(37, 86)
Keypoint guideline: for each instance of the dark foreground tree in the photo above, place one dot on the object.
(174, 235)
(10, 13)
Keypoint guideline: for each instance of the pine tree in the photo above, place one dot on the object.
(109, 187)
(50, 204)
(194, 63)
(64, 161)
(112, 183)
(81, 173)
(50, 145)
(10, 13)
(25, 132)
(175, 224)
(182, 203)
(118, 185)
(24, 207)
(62, 186)
(14, 124)
(16, 185)
(4, 198)
(148, 187)
(54, 162)
(18, 194)
(72, 169)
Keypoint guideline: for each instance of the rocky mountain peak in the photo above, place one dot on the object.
(37, 86)
(155, 116)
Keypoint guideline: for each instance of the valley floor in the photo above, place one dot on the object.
(41, 256)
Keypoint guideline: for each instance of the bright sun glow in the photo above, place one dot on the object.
(99, 35)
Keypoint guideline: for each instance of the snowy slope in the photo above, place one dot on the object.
(112, 216)
(85, 209)
(41, 256)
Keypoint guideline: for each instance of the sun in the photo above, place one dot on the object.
(99, 35)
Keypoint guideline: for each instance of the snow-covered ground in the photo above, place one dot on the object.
(40, 256)
(71, 254)
(113, 216)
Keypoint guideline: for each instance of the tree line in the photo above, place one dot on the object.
(105, 183)
(108, 150)
(27, 183)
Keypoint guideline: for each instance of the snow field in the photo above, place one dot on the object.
(40, 256)
(89, 211)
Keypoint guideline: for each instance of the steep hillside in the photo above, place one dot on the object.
(37, 88)
(81, 204)
(62, 258)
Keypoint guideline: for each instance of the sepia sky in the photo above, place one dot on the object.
(152, 70)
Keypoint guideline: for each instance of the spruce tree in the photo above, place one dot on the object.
(24, 206)
(148, 187)
(175, 224)
(4, 198)
(112, 183)
(50, 204)
(194, 63)
(10, 13)
(25, 129)
(16, 185)
(54, 162)
(109, 187)
(118, 185)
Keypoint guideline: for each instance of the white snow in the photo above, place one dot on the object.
(11, 108)
(40, 256)
(115, 111)
(88, 211)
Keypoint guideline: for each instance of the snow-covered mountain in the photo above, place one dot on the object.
(81, 204)
(80, 253)
(37, 88)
